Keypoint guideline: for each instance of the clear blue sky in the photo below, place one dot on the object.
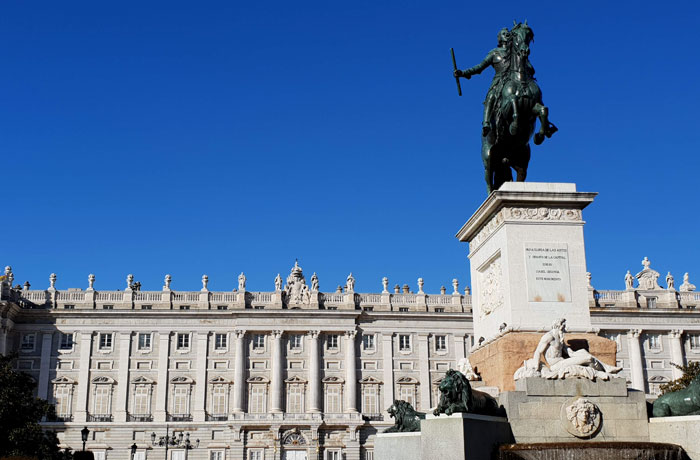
(219, 137)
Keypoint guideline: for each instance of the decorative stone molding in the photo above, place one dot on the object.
(515, 214)
(314, 334)
(634, 333)
(581, 417)
(675, 333)
(491, 292)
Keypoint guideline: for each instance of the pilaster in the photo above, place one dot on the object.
(675, 337)
(162, 386)
(388, 360)
(424, 372)
(276, 384)
(239, 383)
(314, 372)
(635, 356)
(199, 413)
(123, 377)
(83, 376)
(45, 364)
(350, 372)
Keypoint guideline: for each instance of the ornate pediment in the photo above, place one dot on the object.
(63, 380)
(104, 380)
(293, 438)
(333, 379)
(141, 380)
(407, 380)
(295, 379)
(219, 380)
(182, 379)
(659, 379)
(370, 380)
(648, 279)
(258, 379)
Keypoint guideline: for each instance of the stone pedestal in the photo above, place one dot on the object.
(684, 431)
(527, 257)
(539, 411)
(497, 361)
(462, 436)
(397, 446)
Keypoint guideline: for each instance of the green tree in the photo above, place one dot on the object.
(690, 371)
(20, 414)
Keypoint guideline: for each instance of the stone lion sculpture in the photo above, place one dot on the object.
(456, 395)
(406, 418)
(681, 402)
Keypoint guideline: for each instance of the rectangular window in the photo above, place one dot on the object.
(222, 307)
(332, 342)
(183, 341)
(369, 399)
(99, 455)
(146, 307)
(367, 308)
(295, 342)
(62, 399)
(257, 454)
(184, 307)
(140, 455)
(218, 400)
(654, 341)
(407, 393)
(257, 399)
(28, 341)
(333, 455)
(216, 455)
(259, 307)
(439, 310)
(178, 455)
(105, 340)
(108, 307)
(403, 309)
(369, 455)
(101, 404)
(258, 341)
(695, 341)
(142, 403)
(70, 307)
(405, 342)
(333, 400)
(295, 398)
(651, 302)
(368, 341)
(144, 341)
(440, 343)
(66, 341)
(181, 400)
(220, 341)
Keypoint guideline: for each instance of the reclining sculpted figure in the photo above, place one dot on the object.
(562, 361)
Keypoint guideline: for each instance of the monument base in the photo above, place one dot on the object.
(397, 446)
(684, 431)
(462, 436)
(496, 362)
(573, 410)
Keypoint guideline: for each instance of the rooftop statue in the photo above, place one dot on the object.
(562, 361)
(513, 104)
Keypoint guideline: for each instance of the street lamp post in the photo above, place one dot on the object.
(182, 440)
(84, 435)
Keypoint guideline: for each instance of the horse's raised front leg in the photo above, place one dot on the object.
(546, 128)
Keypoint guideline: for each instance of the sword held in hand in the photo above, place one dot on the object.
(454, 64)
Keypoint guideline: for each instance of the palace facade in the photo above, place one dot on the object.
(291, 374)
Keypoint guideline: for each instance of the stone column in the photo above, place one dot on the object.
(83, 376)
(388, 363)
(200, 389)
(424, 372)
(162, 386)
(675, 336)
(350, 372)
(239, 383)
(314, 372)
(45, 365)
(635, 356)
(276, 384)
(123, 377)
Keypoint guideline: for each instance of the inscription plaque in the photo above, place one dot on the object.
(547, 266)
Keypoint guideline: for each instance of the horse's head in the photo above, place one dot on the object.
(522, 35)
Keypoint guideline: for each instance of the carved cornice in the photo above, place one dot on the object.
(524, 214)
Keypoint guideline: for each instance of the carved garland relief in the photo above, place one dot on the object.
(524, 214)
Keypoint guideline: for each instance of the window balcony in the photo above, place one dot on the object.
(61, 418)
(217, 417)
(373, 417)
(139, 418)
(179, 417)
(100, 418)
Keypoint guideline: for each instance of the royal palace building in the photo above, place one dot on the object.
(290, 374)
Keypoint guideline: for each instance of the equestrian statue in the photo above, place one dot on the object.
(512, 106)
